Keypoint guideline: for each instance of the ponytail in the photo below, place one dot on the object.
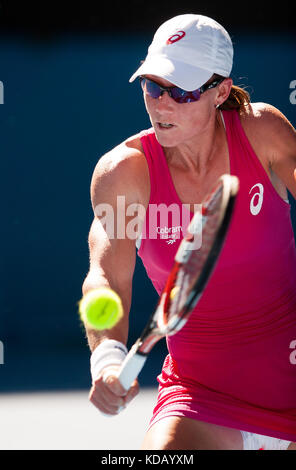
(238, 98)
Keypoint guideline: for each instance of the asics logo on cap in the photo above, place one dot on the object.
(176, 37)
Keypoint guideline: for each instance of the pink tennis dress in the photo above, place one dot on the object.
(232, 364)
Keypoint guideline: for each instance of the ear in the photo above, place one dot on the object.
(223, 90)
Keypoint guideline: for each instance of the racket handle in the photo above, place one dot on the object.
(131, 367)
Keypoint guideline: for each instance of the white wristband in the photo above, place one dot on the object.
(109, 353)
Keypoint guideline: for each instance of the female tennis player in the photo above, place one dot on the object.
(228, 381)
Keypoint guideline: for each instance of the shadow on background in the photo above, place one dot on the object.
(67, 101)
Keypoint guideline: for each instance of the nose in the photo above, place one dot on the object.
(164, 102)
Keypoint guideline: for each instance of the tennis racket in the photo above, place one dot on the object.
(189, 276)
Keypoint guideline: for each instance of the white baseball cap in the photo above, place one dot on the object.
(187, 50)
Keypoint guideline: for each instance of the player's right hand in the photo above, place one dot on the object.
(107, 393)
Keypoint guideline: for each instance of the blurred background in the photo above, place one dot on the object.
(64, 69)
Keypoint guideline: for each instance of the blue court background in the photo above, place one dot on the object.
(66, 102)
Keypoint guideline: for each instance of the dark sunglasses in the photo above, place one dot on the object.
(178, 94)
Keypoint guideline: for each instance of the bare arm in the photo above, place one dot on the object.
(112, 263)
(112, 257)
(281, 137)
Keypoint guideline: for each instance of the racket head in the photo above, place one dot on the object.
(191, 272)
(197, 255)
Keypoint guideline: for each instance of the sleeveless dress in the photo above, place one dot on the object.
(231, 363)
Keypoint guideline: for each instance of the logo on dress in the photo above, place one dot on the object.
(169, 234)
(176, 37)
(257, 199)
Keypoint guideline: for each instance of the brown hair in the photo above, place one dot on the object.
(238, 98)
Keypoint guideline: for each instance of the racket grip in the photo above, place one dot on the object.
(131, 367)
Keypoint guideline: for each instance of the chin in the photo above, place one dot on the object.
(166, 139)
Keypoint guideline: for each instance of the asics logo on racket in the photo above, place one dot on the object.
(257, 198)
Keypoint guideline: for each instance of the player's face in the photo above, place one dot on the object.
(178, 123)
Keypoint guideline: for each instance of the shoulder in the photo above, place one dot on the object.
(265, 117)
(269, 129)
(124, 157)
(273, 139)
(121, 171)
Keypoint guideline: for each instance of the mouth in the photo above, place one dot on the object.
(165, 125)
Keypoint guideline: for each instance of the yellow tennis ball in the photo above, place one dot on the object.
(101, 308)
